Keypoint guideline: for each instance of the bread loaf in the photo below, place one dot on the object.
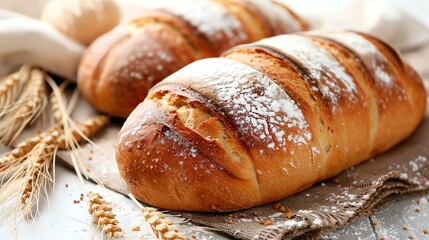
(117, 70)
(82, 20)
(268, 120)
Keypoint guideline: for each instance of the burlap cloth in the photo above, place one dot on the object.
(356, 193)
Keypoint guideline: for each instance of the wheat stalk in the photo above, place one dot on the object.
(26, 109)
(23, 100)
(72, 134)
(29, 179)
(69, 128)
(161, 226)
(28, 164)
(87, 128)
(10, 160)
(68, 137)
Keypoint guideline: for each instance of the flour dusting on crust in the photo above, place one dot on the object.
(375, 61)
(132, 69)
(333, 79)
(256, 104)
(210, 18)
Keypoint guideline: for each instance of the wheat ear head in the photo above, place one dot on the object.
(11, 88)
(161, 226)
(87, 128)
(37, 171)
(8, 92)
(56, 103)
(10, 160)
(101, 212)
(28, 108)
(55, 108)
(99, 208)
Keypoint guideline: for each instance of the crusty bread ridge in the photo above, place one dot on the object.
(267, 120)
(119, 68)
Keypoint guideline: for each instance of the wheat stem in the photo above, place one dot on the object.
(73, 100)
(67, 123)
(87, 128)
(161, 226)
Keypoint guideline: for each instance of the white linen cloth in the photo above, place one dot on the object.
(403, 23)
(28, 40)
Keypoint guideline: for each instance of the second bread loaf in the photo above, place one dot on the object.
(118, 70)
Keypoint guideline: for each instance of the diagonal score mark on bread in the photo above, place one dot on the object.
(212, 130)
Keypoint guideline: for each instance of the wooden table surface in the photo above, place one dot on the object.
(403, 219)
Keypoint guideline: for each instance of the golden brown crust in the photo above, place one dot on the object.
(131, 67)
(162, 136)
(115, 80)
(253, 21)
(200, 43)
(267, 120)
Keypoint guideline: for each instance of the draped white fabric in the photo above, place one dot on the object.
(404, 23)
(28, 40)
